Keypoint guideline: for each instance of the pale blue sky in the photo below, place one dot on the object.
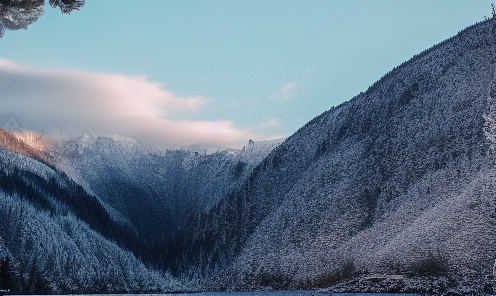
(266, 66)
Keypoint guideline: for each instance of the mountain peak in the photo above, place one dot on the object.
(86, 136)
(12, 125)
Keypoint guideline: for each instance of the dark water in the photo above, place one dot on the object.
(278, 293)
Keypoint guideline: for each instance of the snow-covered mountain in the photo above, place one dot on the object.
(12, 125)
(392, 191)
(57, 238)
(156, 189)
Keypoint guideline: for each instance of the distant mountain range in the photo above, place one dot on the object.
(392, 191)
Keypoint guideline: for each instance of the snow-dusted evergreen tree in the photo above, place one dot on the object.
(490, 132)
(490, 116)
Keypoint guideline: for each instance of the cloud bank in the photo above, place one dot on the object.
(109, 103)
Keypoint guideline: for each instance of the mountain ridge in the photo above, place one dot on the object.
(392, 191)
(10, 142)
(12, 124)
(426, 117)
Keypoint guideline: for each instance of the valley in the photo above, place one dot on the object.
(389, 192)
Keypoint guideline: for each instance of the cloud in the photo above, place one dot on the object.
(309, 72)
(108, 103)
(285, 92)
(273, 122)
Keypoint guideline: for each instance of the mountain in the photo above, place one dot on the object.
(55, 238)
(12, 125)
(155, 190)
(12, 143)
(117, 193)
(392, 191)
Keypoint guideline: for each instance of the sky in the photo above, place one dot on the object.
(215, 73)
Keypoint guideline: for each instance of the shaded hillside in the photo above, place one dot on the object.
(397, 181)
(156, 190)
(57, 238)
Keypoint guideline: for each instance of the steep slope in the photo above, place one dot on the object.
(57, 238)
(155, 190)
(12, 143)
(12, 125)
(391, 191)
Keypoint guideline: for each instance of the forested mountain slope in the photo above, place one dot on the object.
(10, 142)
(114, 192)
(390, 191)
(57, 238)
(155, 190)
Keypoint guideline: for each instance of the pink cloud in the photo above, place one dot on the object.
(109, 103)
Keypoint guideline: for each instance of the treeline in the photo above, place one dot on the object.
(11, 280)
(44, 254)
(208, 241)
(58, 197)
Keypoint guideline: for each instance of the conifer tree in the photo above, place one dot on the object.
(6, 274)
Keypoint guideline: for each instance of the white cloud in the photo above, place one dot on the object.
(309, 72)
(285, 92)
(108, 103)
(273, 122)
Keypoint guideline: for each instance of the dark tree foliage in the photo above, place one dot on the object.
(71, 197)
(238, 169)
(15, 15)
(6, 274)
(19, 14)
(24, 4)
(36, 282)
(67, 6)
(210, 239)
(432, 265)
(342, 273)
